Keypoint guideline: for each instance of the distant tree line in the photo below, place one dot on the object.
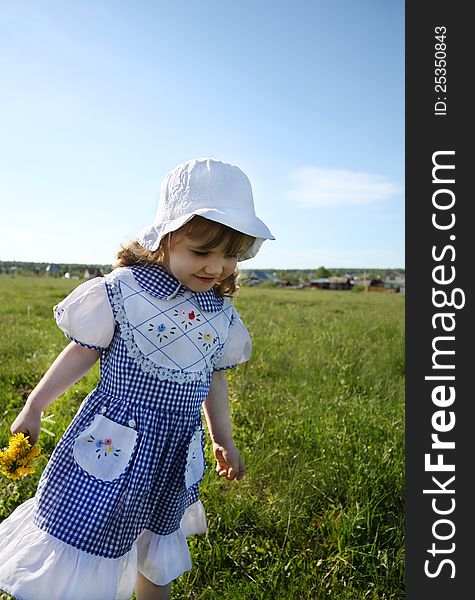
(41, 269)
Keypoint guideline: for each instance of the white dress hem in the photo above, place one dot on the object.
(38, 566)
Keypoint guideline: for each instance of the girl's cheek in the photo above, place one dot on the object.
(232, 265)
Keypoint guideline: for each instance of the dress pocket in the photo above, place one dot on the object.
(195, 461)
(104, 448)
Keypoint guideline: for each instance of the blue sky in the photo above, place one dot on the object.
(100, 99)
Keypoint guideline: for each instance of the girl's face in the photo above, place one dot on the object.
(197, 267)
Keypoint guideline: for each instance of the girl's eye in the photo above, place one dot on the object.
(200, 252)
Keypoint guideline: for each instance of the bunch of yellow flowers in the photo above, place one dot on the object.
(17, 459)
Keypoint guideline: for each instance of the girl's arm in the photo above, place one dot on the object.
(216, 409)
(70, 365)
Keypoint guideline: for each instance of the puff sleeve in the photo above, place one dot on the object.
(238, 346)
(85, 316)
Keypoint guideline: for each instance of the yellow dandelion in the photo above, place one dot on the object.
(11, 475)
(33, 453)
(22, 471)
(17, 460)
(5, 459)
(19, 443)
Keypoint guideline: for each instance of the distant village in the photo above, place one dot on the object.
(382, 280)
(393, 281)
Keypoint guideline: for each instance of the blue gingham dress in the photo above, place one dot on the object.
(132, 458)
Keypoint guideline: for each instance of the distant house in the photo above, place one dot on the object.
(396, 281)
(340, 283)
(282, 282)
(378, 285)
(256, 277)
(53, 269)
(91, 272)
(322, 283)
(395, 277)
(359, 281)
(332, 283)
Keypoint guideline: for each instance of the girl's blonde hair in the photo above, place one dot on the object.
(236, 244)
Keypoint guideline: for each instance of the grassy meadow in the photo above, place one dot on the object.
(318, 414)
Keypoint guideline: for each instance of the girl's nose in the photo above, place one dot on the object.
(214, 267)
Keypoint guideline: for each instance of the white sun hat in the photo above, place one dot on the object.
(212, 189)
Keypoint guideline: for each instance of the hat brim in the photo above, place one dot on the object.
(150, 237)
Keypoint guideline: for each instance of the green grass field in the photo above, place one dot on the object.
(318, 414)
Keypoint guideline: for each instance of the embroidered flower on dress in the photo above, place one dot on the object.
(188, 317)
(163, 333)
(207, 339)
(104, 447)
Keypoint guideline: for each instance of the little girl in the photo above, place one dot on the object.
(120, 495)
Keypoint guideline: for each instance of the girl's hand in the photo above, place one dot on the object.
(29, 423)
(228, 461)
